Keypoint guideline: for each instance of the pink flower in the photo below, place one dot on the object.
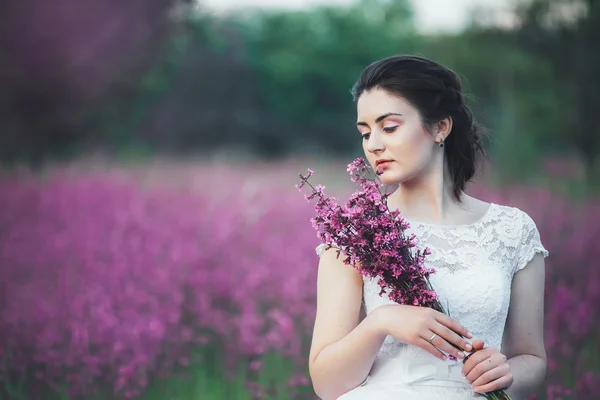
(373, 237)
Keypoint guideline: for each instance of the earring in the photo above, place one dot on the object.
(441, 143)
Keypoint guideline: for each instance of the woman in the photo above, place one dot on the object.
(489, 261)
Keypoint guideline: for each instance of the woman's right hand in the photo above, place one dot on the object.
(417, 325)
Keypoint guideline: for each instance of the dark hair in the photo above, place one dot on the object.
(436, 93)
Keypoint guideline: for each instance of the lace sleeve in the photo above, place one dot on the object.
(320, 248)
(530, 243)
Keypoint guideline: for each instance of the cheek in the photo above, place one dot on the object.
(411, 147)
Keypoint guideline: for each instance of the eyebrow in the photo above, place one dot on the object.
(379, 119)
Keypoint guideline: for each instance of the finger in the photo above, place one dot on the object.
(451, 337)
(500, 383)
(491, 375)
(443, 341)
(475, 359)
(452, 324)
(425, 345)
(478, 344)
(481, 368)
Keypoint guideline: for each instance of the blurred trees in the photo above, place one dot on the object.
(273, 83)
(306, 63)
(565, 34)
(169, 76)
(61, 61)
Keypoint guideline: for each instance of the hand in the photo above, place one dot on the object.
(417, 325)
(487, 369)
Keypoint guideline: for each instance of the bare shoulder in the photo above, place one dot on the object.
(480, 208)
(334, 272)
(474, 204)
(473, 209)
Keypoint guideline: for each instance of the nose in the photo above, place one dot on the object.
(374, 143)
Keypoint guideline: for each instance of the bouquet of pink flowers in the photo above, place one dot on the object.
(376, 243)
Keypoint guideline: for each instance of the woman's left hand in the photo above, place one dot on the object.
(487, 369)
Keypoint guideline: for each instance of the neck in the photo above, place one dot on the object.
(426, 198)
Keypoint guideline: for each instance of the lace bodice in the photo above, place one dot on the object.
(474, 266)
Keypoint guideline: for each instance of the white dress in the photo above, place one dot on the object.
(474, 266)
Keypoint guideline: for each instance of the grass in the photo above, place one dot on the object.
(202, 380)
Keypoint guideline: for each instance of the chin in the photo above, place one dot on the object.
(391, 178)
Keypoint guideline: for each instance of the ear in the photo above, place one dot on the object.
(443, 129)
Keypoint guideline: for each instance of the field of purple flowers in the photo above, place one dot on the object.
(197, 281)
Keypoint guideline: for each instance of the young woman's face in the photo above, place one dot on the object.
(394, 137)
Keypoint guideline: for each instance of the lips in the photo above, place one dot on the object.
(382, 163)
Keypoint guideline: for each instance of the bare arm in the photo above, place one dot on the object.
(523, 342)
(343, 350)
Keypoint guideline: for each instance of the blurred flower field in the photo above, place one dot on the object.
(187, 280)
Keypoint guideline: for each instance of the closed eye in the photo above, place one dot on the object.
(390, 129)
